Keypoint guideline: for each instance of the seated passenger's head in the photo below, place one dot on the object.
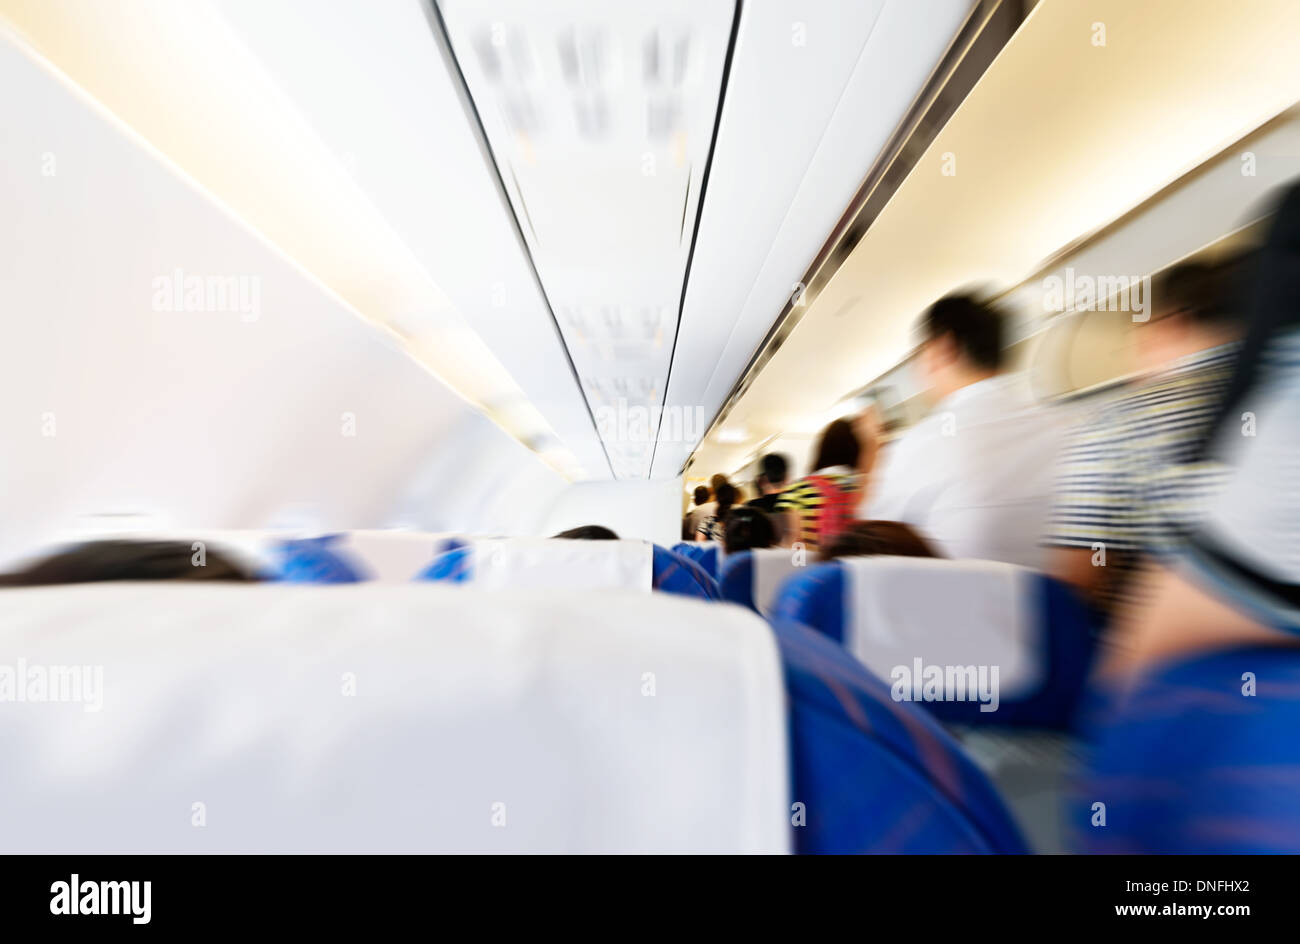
(1193, 307)
(837, 445)
(879, 538)
(775, 471)
(747, 528)
(130, 560)
(701, 495)
(726, 495)
(961, 343)
(588, 532)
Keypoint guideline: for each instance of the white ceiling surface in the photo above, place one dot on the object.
(117, 415)
(817, 87)
(1060, 137)
(601, 117)
(379, 94)
(337, 131)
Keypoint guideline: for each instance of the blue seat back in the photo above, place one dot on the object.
(875, 775)
(744, 575)
(1188, 762)
(324, 559)
(1064, 628)
(671, 572)
(315, 560)
(707, 554)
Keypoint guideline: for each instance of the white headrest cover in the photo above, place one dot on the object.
(945, 612)
(771, 566)
(550, 563)
(393, 556)
(412, 718)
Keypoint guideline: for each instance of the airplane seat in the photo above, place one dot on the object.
(708, 554)
(872, 775)
(1200, 757)
(906, 618)
(752, 578)
(567, 563)
(353, 556)
(315, 560)
(409, 718)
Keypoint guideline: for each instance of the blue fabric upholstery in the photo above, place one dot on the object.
(705, 553)
(814, 598)
(313, 560)
(1068, 631)
(675, 574)
(686, 549)
(736, 582)
(709, 558)
(1186, 763)
(875, 775)
(671, 572)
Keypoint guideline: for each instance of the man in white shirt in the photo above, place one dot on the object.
(975, 477)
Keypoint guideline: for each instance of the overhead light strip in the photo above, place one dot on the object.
(443, 38)
(987, 30)
(699, 214)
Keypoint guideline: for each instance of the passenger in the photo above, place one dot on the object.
(1235, 581)
(692, 519)
(975, 476)
(712, 527)
(771, 482)
(746, 528)
(709, 508)
(588, 532)
(96, 561)
(1129, 478)
(871, 538)
(817, 507)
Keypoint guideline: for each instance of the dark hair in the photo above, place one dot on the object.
(838, 445)
(701, 494)
(1206, 293)
(891, 538)
(117, 559)
(717, 481)
(747, 527)
(588, 532)
(775, 468)
(974, 326)
(1272, 307)
(726, 496)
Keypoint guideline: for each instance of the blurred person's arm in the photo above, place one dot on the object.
(867, 428)
(1075, 566)
(788, 512)
(886, 488)
(1095, 525)
(1171, 616)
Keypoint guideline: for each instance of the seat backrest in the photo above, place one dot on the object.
(395, 556)
(389, 718)
(978, 642)
(354, 556)
(1201, 757)
(872, 775)
(570, 564)
(752, 578)
(708, 554)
